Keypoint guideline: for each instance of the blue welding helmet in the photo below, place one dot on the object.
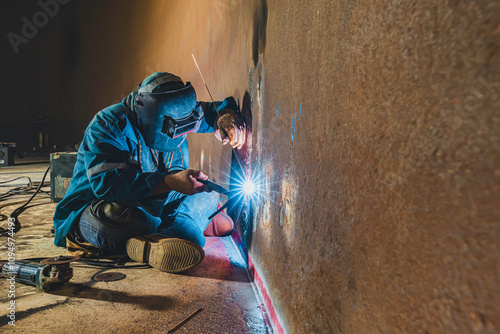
(166, 111)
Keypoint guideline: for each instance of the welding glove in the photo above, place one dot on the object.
(231, 128)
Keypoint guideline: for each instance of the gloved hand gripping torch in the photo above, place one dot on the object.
(218, 188)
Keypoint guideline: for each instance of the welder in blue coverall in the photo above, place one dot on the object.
(131, 189)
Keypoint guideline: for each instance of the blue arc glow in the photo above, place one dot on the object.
(243, 188)
(246, 188)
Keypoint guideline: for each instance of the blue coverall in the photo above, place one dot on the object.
(115, 165)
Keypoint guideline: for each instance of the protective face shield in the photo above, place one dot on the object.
(166, 117)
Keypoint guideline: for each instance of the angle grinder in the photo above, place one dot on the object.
(46, 275)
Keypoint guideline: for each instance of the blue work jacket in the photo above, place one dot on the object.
(114, 164)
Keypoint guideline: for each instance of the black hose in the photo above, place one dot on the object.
(19, 210)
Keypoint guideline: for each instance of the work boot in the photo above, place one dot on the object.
(221, 225)
(171, 255)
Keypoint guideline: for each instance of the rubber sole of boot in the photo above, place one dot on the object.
(170, 255)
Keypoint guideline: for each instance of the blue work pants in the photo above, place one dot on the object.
(109, 225)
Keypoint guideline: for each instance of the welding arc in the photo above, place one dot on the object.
(216, 109)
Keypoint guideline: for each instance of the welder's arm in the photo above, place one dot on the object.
(114, 179)
(184, 182)
(111, 176)
(227, 124)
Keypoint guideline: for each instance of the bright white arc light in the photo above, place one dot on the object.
(248, 187)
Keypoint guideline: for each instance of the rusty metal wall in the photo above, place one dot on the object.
(375, 128)
(379, 134)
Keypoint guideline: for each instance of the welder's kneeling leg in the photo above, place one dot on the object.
(186, 217)
(171, 255)
(108, 226)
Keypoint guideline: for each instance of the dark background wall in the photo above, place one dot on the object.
(375, 131)
(36, 80)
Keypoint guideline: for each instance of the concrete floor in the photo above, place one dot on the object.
(146, 301)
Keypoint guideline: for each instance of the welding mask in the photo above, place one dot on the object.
(166, 112)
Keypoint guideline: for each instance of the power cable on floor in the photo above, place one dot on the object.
(109, 263)
(19, 210)
(21, 190)
(17, 178)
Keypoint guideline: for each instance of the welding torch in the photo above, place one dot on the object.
(211, 185)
